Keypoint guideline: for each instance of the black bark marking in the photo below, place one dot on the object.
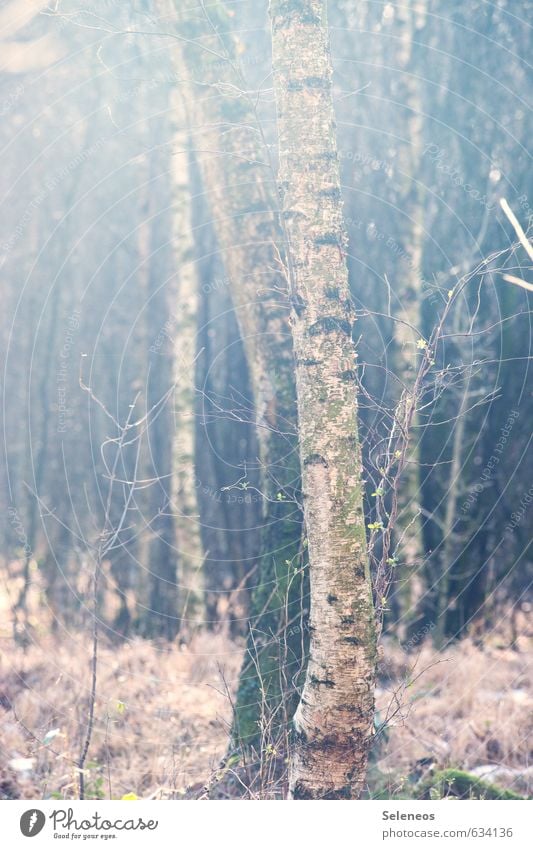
(347, 620)
(300, 791)
(298, 304)
(332, 192)
(332, 292)
(330, 323)
(342, 793)
(328, 239)
(325, 682)
(316, 460)
(317, 82)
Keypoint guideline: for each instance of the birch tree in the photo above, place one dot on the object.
(410, 21)
(333, 722)
(239, 181)
(185, 321)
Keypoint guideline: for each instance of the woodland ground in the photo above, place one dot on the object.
(162, 714)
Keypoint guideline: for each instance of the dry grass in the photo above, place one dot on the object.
(162, 715)
(467, 708)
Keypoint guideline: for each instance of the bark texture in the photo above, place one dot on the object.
(160, 617)
(410, 21)
(240, 186)
(184, 326)
(333, 722)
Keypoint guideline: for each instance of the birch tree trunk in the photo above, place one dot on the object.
(410, 18)
(333, 722)
(184, 326)
(162, 561)
(240, 184)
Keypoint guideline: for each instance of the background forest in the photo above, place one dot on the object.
(154, 584)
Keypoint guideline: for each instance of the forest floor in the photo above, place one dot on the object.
(162, 714)
(468, 708)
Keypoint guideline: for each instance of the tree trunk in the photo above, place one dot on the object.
(155, 261)
(239, 181)
(334, 720)
(410, 18)
(184, 328)
(225, 448)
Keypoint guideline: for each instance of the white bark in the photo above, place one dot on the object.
(334, 719)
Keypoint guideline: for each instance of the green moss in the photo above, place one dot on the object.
(278, 625)
(335, 408)
(461, 785)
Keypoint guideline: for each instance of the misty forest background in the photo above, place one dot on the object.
(147, 487)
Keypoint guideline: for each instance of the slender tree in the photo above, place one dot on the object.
(333, 722)
(184, 503)
(162, 617)
(409, 286)
(238, 178)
